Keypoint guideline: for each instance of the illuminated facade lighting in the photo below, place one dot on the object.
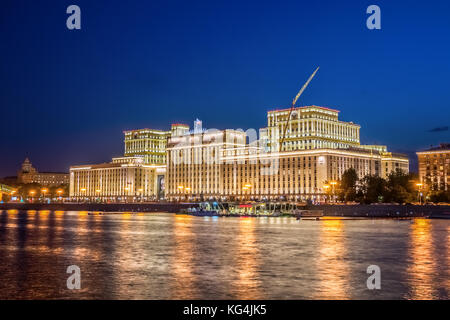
(434, 167)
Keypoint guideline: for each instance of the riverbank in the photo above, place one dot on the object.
(386, 211)
(106, 207)
(374, 211)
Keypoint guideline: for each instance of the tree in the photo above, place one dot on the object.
(401, 187)
(348, 183)
(373, 189)
(440, 196)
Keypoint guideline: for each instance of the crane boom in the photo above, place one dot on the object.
(293, 105)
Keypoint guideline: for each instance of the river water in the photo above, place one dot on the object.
(167, 256)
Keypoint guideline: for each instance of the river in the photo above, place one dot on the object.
(167, 256)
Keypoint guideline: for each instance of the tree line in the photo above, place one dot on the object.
(398, 187)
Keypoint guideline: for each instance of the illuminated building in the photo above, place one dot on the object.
(194, 161)
(29, 174)
(125, 179)
(310, 127)
(148, 143)
(434, 167)
(245, 173)
(392, 162)
(318, 148)
(230, 164)
(138, 176)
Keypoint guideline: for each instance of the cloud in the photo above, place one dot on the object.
(439, 129)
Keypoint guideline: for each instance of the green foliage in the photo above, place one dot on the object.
(372, 188)
(440, 196)
(399, 187)
(347, 185)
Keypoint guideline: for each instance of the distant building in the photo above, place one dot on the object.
(10, 180)
(124, 179)
(434, 167)
(29, 174)
(148, 143)
(138, 176)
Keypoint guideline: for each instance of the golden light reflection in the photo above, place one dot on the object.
(247, 286)
(31, 215)
(58, 228)
(184, 277)
(331, 265)
(83, 213)
(43, 215)
(82, 228)
(423, 266)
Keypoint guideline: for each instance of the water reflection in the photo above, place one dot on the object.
(247, 285)
(422, 270)
(183, 286)
(331, 263)
(162, 256)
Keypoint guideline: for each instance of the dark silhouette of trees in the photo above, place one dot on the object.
(399, 187)
(347, 185)
(372, 189)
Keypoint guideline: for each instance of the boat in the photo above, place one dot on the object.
(252, 209)
(308, 214)
(205, 209)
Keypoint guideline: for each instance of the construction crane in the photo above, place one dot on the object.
(293, 106)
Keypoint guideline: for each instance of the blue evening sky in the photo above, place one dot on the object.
(66, 96)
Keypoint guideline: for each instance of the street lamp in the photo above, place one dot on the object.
(59, 192)
(333, 184)
(127, 189)
(419, 192)
(44, 191)
(32, 193)
(326, 187)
